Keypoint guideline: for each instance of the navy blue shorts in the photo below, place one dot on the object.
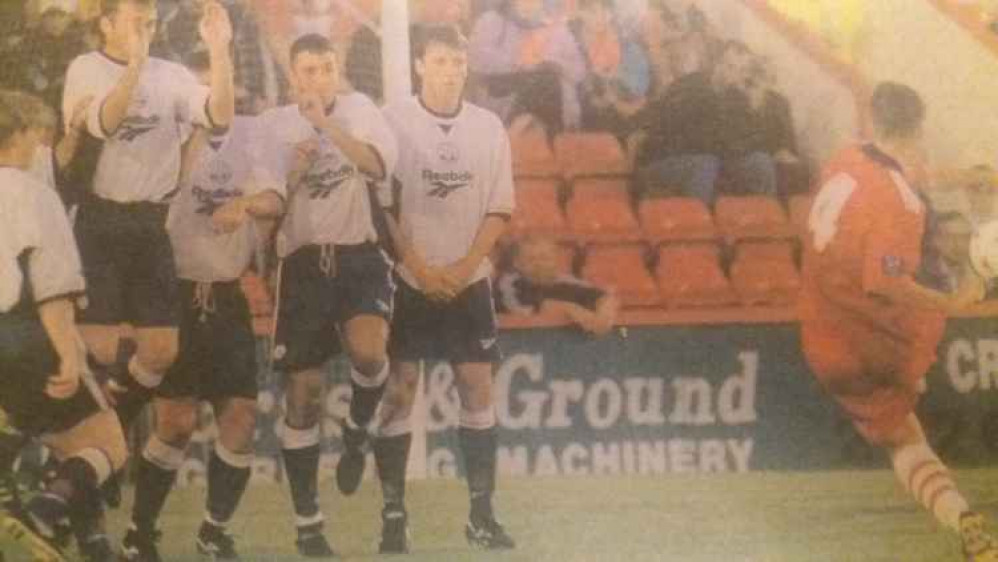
(128, 264)
(217, 355)
(463, 330)
(27, 359)
(319, 292)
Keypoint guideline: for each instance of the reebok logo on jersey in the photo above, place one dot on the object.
(209, 200)
(322, 184)
(134, 127)
(445, 183)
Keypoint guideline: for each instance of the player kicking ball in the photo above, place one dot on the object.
(47, 394)
(870, 328)
(224, 187)
(335, 287)
(455, 197)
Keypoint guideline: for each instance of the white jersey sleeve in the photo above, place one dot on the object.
(54, 265)
(371, 128)
(81, 84)
(501, 194)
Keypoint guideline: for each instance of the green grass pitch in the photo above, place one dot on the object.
(774, 517)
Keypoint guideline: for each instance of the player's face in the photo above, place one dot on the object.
(128, 19)
(316, 74)
(443, 71)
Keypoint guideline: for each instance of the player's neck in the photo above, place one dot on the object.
(440, 105)
(900, 152)
(15, 158)
(115, 52)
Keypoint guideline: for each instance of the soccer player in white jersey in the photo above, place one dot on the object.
(141, 111)
(224, 187)
(335, 286)
(455, 197)
(46, 393)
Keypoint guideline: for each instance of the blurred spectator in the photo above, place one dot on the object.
(528, 66)
(35, 57)
(946, 254)
(771, 128)
(259, 80)
(537, 287)
(692, 136)
(661, 36)
(312, 16)
(618, 74)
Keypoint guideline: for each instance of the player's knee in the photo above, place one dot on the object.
(237, 424)
(103, 348)
(157, 355)
(175, 425)
(368, 356)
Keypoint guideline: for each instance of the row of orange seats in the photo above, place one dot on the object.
(571, 155)
(690, 274)
(601, 210)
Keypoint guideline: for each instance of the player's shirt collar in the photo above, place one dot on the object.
(115, 60)
(438, 115)
(879, 156)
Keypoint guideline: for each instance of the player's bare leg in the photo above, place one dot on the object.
(229, 471)
(391, 454)
(927, 479)
(477, 434)
(300, 439)
(366, 339)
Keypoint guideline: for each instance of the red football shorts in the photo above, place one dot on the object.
(870, 373)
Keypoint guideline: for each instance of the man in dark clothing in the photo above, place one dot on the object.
(701, 127)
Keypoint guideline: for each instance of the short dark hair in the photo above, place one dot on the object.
(448, 35)
(897, 110)
(311, 43)
(14, 116)
(109, 7)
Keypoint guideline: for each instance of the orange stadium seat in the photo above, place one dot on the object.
(600, 211)
(800, 208)
(533, 157)
(765, 273)
(676, 219)
(690, 275)
(751, 217)
(538, 211)
(590, 155)
(623, 269)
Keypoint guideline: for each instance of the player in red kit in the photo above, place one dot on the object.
(870, 324)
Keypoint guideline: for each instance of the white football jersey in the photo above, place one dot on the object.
(453, 172)
(331, 203)
(32, 219)
(140, 161)
(227, 166)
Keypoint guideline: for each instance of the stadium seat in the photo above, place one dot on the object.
(800, 207)
(673, 219)
(751, 217)
(690, 275)
(533, 157)
(590, 155)
(538, 211)
(623, 269)
(600, 211)
(765, 273)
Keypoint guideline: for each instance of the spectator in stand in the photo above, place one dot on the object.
(774, 128)
(945, 252)
(537, 287)
(528, 67)
(618, 75)
(661, 36)
(697, 129)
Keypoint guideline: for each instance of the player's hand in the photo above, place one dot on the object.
(456, 275)
(78, 121)
(312, 108)
(215, 26)
(139, 39)
(306, 153)
(230, 217)
(433, 284)
(63, 385)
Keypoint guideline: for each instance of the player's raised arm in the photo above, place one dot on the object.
(216, 31)
(127, 31)
(374, 154)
